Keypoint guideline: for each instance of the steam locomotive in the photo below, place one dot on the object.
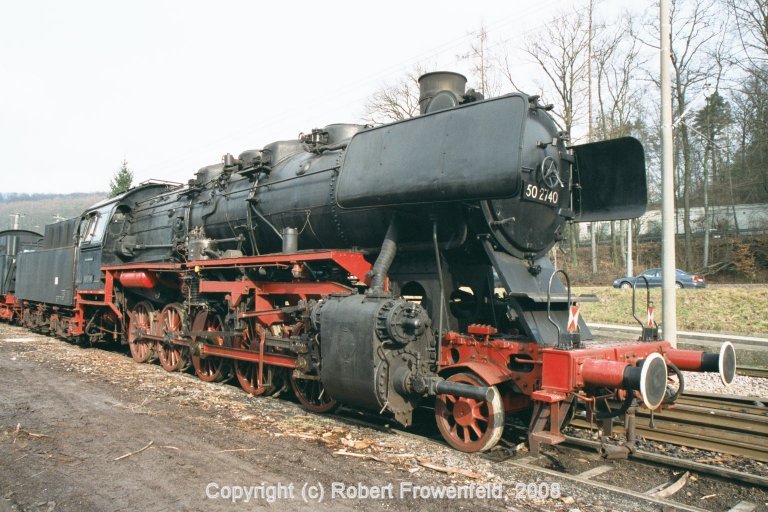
(359, 265)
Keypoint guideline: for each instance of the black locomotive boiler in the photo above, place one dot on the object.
(356, 264)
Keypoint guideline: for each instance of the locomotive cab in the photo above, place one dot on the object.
(90, 240)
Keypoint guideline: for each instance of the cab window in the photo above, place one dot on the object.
(88, 228)
(93, 226)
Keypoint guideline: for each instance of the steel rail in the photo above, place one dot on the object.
(377, 423)
(675, 462)
(724, 424)
(750, 371)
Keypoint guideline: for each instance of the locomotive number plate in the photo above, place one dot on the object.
(541, 194)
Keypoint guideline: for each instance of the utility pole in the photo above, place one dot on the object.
(706, 201)
(630, 269)
(668, 299)
(592, 225)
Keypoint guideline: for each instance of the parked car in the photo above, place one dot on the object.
(683, 279)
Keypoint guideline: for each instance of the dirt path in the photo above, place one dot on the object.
(66, 414)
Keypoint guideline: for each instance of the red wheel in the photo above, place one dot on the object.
(173, 358)
(466, 424)
(211, 368)
(142, 320)
(312, 395)
(248, 373)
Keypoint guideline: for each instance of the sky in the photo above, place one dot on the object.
(171, 86)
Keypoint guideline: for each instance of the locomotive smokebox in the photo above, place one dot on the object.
(440, 90)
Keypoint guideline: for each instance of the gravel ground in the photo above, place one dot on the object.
(69, 415)
(741, 386)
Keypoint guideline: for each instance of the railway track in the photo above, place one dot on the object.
(669, 493)
(720, 423)
(553, 465)
(752, 372)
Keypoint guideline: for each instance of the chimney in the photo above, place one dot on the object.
(440, 90)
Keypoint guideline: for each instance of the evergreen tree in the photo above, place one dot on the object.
(712, 122)
(121, 181)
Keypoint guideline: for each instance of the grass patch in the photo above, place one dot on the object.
(719, 309)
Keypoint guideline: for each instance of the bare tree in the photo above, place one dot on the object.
(711, 123)
(395, 101)
(619, 96)
(695, 25)
(750, 168)
(616, 57)
(751, 24)
(692, 68)
(750, 101)
(483, 63)
(561, 50)
(508, 69)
